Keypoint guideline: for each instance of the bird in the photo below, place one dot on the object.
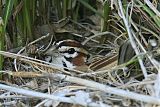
(67, 53)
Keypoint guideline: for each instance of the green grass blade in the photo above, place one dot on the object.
(106, 12)
(151, 13)
(27, 19)
(3, 23)
(2, 37)
(90, 7)
(7, 11)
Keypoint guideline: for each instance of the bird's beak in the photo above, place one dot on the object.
(51, 51)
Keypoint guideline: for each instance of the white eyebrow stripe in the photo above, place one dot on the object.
(58, 43)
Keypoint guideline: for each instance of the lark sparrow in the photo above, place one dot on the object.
(67, 53)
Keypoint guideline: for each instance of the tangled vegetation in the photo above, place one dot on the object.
(121, 36)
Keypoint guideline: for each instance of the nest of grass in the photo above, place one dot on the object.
(123, 70)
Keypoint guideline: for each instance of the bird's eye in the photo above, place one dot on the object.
(71, 51)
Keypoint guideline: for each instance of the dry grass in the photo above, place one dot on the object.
(28, 80)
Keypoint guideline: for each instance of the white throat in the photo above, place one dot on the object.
(59, 62)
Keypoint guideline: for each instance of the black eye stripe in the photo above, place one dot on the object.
(68, 52)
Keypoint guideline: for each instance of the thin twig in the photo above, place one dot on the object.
(106, 89)
(132, 39)
(37, 61)
(41, 38)
(98, 34)
(48, 96)
(152, 7)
